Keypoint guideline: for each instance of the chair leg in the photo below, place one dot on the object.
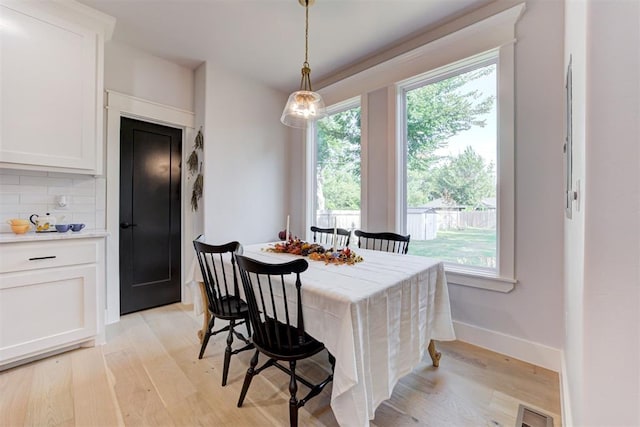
(248, 378)
(227, 353)
(205, 339)
(293, 402)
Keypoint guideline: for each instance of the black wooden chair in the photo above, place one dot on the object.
(223, 296)
(325, 236)
(385, 241)
(278, 328)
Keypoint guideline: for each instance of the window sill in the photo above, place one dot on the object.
(479, 279)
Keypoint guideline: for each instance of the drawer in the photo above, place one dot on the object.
(26, 256)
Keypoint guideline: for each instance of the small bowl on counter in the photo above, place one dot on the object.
(63, 228)
(18, 221)
(20, 229)
(76, 227)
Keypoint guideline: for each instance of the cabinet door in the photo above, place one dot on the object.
(45, 310)
(48, 90)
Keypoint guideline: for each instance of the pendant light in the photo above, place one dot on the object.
(304, 106)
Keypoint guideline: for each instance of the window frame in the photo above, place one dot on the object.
(492, 27)
(311, 157)
(503, 277)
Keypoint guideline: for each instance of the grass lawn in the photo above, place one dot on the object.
(473, 246)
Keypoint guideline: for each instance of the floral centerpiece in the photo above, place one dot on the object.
(316, 252)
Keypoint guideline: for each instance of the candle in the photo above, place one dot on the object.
(286, 235)
(335, 233)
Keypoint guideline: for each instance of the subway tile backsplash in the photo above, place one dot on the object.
(23, 193)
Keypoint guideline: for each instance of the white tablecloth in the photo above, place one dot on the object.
(376, 317)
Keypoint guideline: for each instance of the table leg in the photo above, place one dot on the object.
(435, 355)
(207, 316)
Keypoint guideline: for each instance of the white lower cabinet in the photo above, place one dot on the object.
(49, 296)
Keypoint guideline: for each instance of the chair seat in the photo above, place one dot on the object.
(299, 350)
(230, 307)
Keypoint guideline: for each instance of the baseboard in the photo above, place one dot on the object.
(518, 348)
(565, 399)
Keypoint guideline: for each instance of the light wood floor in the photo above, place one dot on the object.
(148, 373)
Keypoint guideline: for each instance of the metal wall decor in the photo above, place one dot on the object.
(195, 168)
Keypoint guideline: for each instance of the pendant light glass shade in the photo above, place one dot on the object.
(304, 106)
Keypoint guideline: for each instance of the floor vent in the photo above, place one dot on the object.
(528, 417)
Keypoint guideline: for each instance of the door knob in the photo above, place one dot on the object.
(127, 225)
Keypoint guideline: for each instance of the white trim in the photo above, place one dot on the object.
(310, 156)
(396, 163)
(505, 162)
(70, 11)
(478, 280)
(486, 34)
(120, 105)
(565, 397)
(364, 161)
(518, 348)
(502, 278)
(488, 31)
(139, 107)
(310, 181)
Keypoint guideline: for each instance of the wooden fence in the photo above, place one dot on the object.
(422, 224)
(347, 219)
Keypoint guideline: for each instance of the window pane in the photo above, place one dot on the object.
(451, 168)
(338, 169)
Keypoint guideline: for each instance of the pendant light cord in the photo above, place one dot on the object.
(306, 33)
(305, 81)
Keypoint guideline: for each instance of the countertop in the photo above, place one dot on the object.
(32, 236)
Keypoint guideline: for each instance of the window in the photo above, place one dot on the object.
(336, 183)
(451, 170)
(391, 179)
(450, 129)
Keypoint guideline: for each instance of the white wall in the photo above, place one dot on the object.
(199, 102)
(602, 348)
(378, 197)
(576, 47)
(246, 156)
(137, 73)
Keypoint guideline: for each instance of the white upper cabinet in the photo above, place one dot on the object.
(51, 86)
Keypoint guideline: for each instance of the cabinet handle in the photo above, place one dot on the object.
(42, 257)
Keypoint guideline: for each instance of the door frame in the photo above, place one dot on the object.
(119, 105)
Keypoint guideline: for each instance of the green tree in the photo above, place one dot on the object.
(341, 191)
(435, 113)
(440, 110)
(465, 179)
(338, 161)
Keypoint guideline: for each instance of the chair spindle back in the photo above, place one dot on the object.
(385, 241)
(325, 236)
(276, 324)
(215, 276)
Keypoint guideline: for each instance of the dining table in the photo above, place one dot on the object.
(378, 318)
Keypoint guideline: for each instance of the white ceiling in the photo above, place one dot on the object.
(264, 39)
